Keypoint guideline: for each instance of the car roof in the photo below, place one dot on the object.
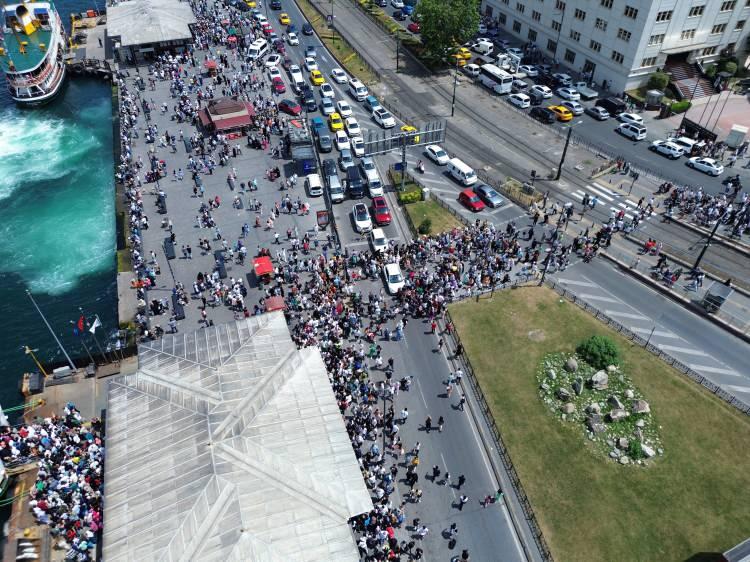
(392, 268)
(377, 233)
(468, 191)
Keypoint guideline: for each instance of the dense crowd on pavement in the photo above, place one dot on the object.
(731, 208)
(67, 494)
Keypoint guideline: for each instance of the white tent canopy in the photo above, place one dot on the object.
(142, 22)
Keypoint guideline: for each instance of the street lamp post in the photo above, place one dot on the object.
(398, 48)
(455, 83)
(713, 233)
(565, 151)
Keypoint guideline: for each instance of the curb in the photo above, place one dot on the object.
(719, 238)
(674, 296)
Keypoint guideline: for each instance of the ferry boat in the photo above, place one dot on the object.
(32, 45)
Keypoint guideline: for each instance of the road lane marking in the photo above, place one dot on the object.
(685, 350)
(606, 190)
(596, 298)
(625, 314)
(717, 370)
(599, 193)
(658, 333)
(581, 283)
(735, 388)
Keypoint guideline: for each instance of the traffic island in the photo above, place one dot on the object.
(686, 502)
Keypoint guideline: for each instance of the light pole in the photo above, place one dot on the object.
(713, 232)
(398, 48)
(565, 150)
(455, 83)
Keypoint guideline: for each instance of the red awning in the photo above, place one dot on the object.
(210, 64)
(275, 303)
(262, 266)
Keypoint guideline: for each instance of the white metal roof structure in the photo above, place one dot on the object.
(228, 445)
(142, 22)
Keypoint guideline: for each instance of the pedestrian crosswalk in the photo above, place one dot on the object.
(604, 195)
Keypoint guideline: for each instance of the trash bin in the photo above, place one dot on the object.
(425, 193)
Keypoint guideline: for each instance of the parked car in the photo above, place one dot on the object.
(397, 4)
(562, 113)
(633, 132)
(437, 155)
(471, 200)
(562, 79)
(706, 165)
(667, 148)
(519, 86)
(543, 115)
(472, 70)
(522, 101)
(598, 113)
(529, 69)
(574, 107)
(568, 94)
(414, 27)
(544, 91)
(630, 118)
(394, 279)
(361, 217)
(489, 196)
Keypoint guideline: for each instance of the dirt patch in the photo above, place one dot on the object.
(537, 335)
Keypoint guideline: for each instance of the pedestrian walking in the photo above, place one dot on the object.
(447, 479)
(462, 500)
(462, 402)
(459, 350)
(440, 422)
(428, 424)
(404, 415)
(435, 473)
(461, 482)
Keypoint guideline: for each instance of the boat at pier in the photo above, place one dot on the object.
(32, 45)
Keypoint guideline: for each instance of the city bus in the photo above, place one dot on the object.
(495, 79)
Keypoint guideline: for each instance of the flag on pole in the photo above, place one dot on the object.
(80, 324)
(95, 325)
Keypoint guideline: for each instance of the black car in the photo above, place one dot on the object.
(307, 29)
(308, 98)
(329, 167)
(275, 4)
(398, 15)
(543, 115)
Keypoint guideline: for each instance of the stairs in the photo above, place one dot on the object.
(686, 78)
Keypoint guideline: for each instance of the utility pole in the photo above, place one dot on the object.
(403, 161)
(455, 83)
(398, 48)
(713, 233)
(565, 151)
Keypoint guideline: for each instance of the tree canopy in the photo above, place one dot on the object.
(446, 24)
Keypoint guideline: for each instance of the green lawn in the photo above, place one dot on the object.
(694, 500)
(442, 220)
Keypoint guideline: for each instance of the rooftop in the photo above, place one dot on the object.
(228, 444)
(141, 22)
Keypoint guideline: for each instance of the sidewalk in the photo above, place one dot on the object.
(734, 313)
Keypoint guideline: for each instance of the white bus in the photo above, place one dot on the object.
(495, 79)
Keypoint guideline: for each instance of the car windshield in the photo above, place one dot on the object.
(395, 278)
(474, 199)
(368, 164)
(361, 213)
(440, 153)
(379, 241)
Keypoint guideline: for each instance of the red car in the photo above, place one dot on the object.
(471, 200)
(290, 107)
(414, 27)
(278, 85)
(267, 29)
(380, 211)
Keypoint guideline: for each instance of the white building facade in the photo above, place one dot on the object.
(621, 42)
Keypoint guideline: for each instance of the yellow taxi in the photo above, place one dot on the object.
(284, 19)
(251, 3)
(458, 60)
(463, 53)
(316, 77)
(563, 113)
(410, 129)
(335, 122)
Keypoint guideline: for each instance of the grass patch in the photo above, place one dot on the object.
(123, 261)
(693, 500)
(341, 50)
(440, 219)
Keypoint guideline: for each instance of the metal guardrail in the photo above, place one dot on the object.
(439, 200)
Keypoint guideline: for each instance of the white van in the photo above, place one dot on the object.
(461, 172)
(483, 47)
(258, 49)
(358, 89)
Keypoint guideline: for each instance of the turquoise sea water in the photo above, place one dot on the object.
(57, 230)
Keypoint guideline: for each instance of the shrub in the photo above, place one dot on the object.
(599, 352)
(711, 71)
(635, 449)
(425, 226)
(658, 81)
(412, 196)
(729, 66)
(680, 106)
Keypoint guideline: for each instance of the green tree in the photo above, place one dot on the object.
(446, 24)
(729, 66)
(658, 81)
(599, 352)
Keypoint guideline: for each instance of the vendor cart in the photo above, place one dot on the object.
(263, 269)
(715, 296)
(323, 219)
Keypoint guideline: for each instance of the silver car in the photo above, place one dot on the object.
(490, 197)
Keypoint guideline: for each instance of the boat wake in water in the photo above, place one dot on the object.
(56, 201)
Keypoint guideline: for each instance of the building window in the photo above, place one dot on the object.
(623, 34)
(709, 51)
(730, 48)
(579, 14)
(574, 35)
(696, 11)
(501, 18)
(728, 6)
(608, 3)
(631, 12)
(617, 57)
(506, 2)
(664, 16)
(517, 26)
(532, 35)
(560, 5)
(556, 25)
(536, 16)
(570, 56)
(520, 7)
(656, 39)
(600, 24)
(649, 61)
(718, 28)
(687, 34)
(595, 46)
(740, 24)
(551, 46)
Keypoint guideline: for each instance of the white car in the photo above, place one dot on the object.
(327, 106)
(522, 101)
(362, 220)
(437, 155)
(514, 51)
(352, 127)
(564, 79)
(529, 69)
(666, 148)
(344, 109)
(569, 94)
(397, 4)
(706, 165)
(296, 74)
(273, 60)
(394, 279)
(339, 76)
(472, 70)
(574, 107)
(310, 64)
(326, 90)
(358, 146)
(292, 39)
(544, 91)
(383, 118)
(378, 240)
(342, 140)
(274, 72)
(630, 118)
(313, 185)
(632, 131)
